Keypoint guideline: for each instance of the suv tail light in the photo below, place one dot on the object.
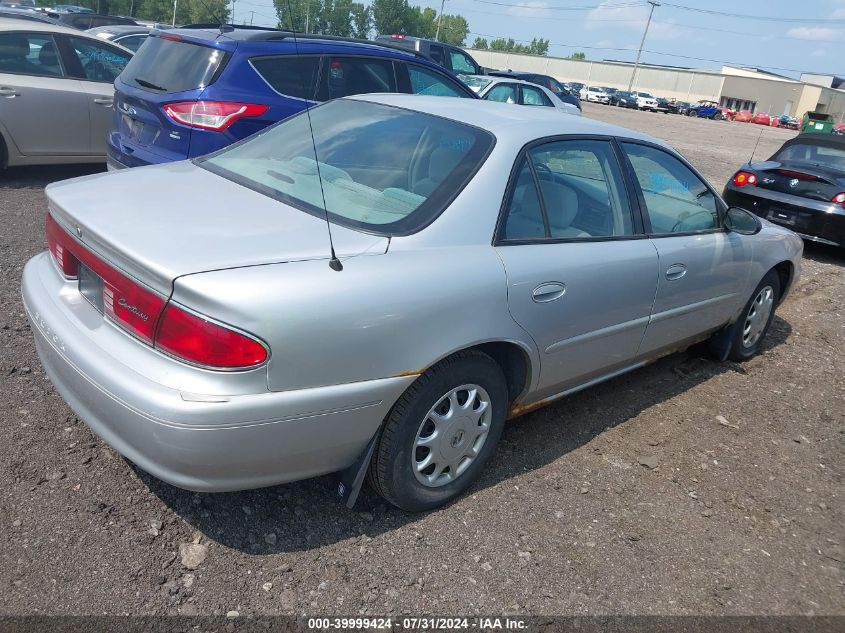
(742, 178)
(839, 198)
(153, 318)
(212, 115)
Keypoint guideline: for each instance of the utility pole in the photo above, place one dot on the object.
(174, 12)
(232, 17)
(251, 17)
(439, 20)
(653, 4)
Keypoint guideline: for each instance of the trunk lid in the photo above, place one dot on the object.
(814, 182)
(195, 221)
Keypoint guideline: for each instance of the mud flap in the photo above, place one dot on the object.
(349, 481)
(719, 343)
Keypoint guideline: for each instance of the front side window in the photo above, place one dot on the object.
(534, 96)
(428, 82)
(100, 62)
(461, 63)
(379, 168)
(677, 200)
(359, 75)
(29, 54)
(289, 75)
(503, 93)
(580, 193)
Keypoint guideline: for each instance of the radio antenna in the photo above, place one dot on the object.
(752, 151)
(334, 262)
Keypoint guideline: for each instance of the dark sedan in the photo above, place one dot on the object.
(801, 187)
(624, 99)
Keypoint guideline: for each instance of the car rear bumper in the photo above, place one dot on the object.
(204, 443)
(811, 219)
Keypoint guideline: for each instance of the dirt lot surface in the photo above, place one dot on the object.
(633, 497)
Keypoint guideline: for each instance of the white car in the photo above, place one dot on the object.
(646, 101)
(595, 94)
(507, 90)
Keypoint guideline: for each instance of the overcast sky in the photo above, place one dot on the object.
(792, 36)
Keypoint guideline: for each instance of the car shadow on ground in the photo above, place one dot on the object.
(824, 253)
(305, 515)
(39, 176)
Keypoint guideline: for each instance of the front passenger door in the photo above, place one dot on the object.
(42, 109)
(581, 275)
(702, 266)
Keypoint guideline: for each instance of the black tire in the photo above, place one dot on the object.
(391, 473)
(717, 116)
(740, 350)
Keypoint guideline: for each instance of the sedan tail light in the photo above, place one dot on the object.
(742, 178)
(151, 317)
(198, 340)
(839, 198)
(212, 115)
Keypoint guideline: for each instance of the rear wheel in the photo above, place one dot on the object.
(439, 434)
(756, 318)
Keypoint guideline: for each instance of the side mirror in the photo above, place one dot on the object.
(742, 221)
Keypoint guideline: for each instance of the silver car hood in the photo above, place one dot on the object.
(160, 222)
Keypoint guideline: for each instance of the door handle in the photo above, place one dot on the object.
(549, 291)
(676, 271)
(104, 101)
(9, 92)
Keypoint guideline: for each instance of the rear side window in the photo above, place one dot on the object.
(169, 66)
(359, 75)
(534, 96)
(438, 55)
(29, 54)
(427, 82)
(289, 75)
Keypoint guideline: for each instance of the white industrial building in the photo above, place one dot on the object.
(735, 87)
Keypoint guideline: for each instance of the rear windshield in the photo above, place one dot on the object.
(164, 65)
(380, 168)
(820, 155)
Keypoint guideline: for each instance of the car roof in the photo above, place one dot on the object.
(521, 125)
(119, 29)
(14, 24)
(826, 140)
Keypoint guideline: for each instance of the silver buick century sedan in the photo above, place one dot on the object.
(489, 260)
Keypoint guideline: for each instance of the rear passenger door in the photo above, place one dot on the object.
(702, 266)
(43, 109)
(581, 274)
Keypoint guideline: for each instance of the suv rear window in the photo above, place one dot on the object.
(377, 168)
(164, 65)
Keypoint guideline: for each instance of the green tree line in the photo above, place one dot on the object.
(355, 19)
(538, 46)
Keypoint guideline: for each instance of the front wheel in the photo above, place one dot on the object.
(439, 434)
(756, 318)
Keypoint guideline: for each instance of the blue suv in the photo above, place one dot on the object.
(192, 91)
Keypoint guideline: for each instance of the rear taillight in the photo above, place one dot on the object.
(212, 115)
(58, 242)
(151, 318)
(839, 198)
(197, 340)
(742, 178)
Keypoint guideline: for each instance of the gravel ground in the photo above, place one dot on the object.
(687, 487)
